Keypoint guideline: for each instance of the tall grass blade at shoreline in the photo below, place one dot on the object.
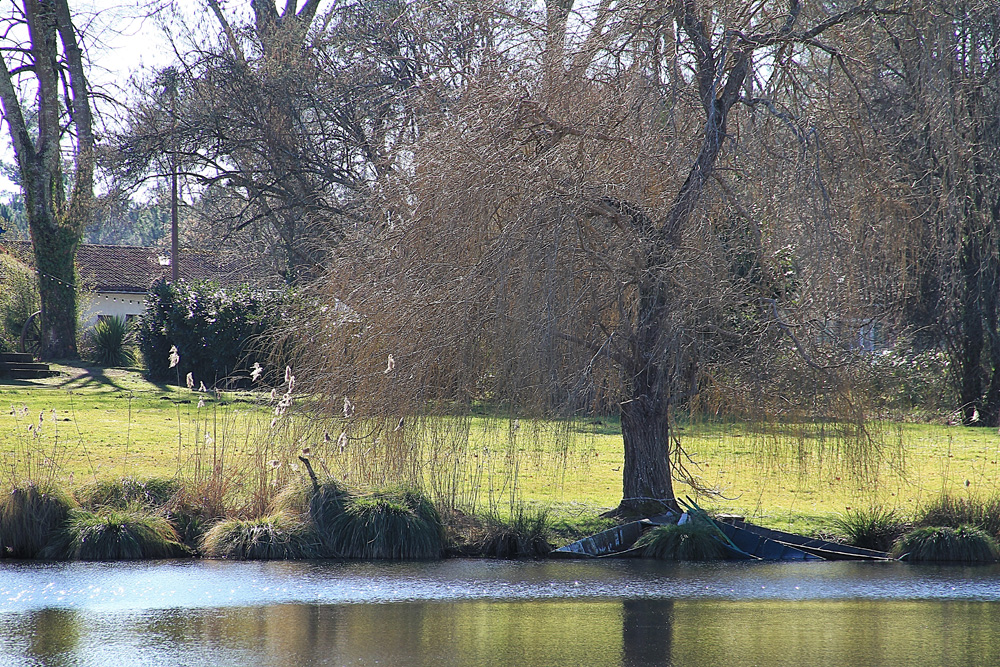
(525, 535)
(115, 534)
(127, 491)
(692, 541)
(387, 525)
(875, 527)
(274, 537)
(948, 510)
(30, 516)
(965, 544)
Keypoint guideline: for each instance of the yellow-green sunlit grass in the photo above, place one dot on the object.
(798, 476)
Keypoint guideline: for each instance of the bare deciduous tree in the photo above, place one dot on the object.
(43, 78)
(935, 104)
(289, 122)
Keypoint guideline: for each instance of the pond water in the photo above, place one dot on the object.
(460, 612)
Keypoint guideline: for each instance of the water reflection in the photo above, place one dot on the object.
(647, 632)
(457, 615)
(51, 637)
(632, 633)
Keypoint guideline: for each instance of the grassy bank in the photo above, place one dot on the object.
(89, 424)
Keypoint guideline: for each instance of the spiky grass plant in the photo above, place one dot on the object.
(30, 515)
(692, 541)
(274, 537)
(387, 525)
(965, 544)
(952, 511)
(115, 534)
(110, 339)
(150, 493)
(875, 527)
(525, 535)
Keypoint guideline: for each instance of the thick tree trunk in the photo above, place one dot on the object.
(55, 249)
(647, 473)
(647, 485)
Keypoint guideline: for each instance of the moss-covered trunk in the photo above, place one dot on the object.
(55, 249)
(63, 118)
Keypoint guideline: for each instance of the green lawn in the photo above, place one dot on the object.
(98, 423)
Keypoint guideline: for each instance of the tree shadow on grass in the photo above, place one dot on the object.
(75, 375)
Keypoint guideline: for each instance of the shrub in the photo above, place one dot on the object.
(692, 541)
(18, 299)
(111, 342)
(950, 511)
(116, 534)
(29, 518)
(964, 544)
(387, 525)
(275, 537)
(215, 330)
(909, 380)
(128, 491)
(526, 535)
(876, 527)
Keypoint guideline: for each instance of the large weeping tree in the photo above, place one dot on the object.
(578, 229)
(46, 107)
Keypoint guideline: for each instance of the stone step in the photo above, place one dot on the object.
(17, 358)
(31, 375)
(22, 366)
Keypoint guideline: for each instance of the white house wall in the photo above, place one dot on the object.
(112, 304)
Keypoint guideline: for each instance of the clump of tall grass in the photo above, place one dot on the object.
(128, 491)
(951, 511)
(386, 525)
(875, 527)
(691, 541)
(965, 544)
(273, 537)
(30, 515)
(525, 535)
(115, 534)
(319, 503)
(111, 342)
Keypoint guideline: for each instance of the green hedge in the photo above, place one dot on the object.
(219, 333)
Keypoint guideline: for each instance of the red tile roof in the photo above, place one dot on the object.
(111, 268)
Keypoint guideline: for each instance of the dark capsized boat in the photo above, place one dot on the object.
(743, 541)
(824, 549)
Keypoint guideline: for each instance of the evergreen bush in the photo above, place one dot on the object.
(18, 299)
(111, 343)
(217, 332)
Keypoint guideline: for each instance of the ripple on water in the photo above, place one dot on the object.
(208, 584)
